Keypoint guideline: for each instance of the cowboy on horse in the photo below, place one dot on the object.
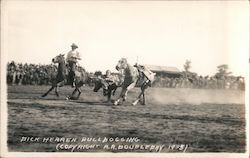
(81, 77)
(72, 57)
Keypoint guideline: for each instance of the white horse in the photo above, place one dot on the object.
(131, 76)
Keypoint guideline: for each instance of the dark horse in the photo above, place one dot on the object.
(108, 88)
(60, 79)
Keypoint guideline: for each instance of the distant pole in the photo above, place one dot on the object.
(136, 59)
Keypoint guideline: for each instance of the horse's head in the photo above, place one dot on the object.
(58, 59)
(122, 64)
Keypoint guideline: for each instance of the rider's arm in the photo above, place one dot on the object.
(78, 56)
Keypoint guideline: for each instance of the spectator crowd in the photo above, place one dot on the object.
(230, 82)
(34, 74)
(30, 74)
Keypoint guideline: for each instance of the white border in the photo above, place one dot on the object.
(4, 151)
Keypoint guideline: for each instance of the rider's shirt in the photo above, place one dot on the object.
(109, 78)
(73, 55)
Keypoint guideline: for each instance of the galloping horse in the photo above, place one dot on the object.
(131, 76)
(60, 79)
(108, 88)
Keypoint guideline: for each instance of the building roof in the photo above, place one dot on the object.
(165, 69)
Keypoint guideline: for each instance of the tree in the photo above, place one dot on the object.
(222, 71)
(187, 65)
(186, 72)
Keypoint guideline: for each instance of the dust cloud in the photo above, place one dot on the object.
(195, 96)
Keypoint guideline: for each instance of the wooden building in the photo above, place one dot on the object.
(164, 71)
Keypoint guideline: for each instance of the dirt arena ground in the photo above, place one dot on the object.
(174, 120)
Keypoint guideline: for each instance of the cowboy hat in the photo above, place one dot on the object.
(74, 45)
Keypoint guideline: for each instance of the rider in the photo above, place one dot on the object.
(109, 77)
(72, 58)
(145, 72)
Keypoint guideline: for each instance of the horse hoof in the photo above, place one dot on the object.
(135, 102)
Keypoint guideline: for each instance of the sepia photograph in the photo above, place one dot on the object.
(124, 78)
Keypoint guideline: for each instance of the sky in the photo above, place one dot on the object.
(167, 33)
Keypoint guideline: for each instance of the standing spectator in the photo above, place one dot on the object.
(11, 76)
(19, 74)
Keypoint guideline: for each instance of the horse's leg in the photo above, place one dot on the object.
(117, 101)
(138, 99)
(143, 88)
(78, 87)
(124, 97)
(124, 93)
(45, 94)
(143, 97)
(121, 96)
(79, 92)
(114, 90)
(109, 95)
(146, 85)
(131, 86)
(56, 91)
(73, 93)
(59, 84)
